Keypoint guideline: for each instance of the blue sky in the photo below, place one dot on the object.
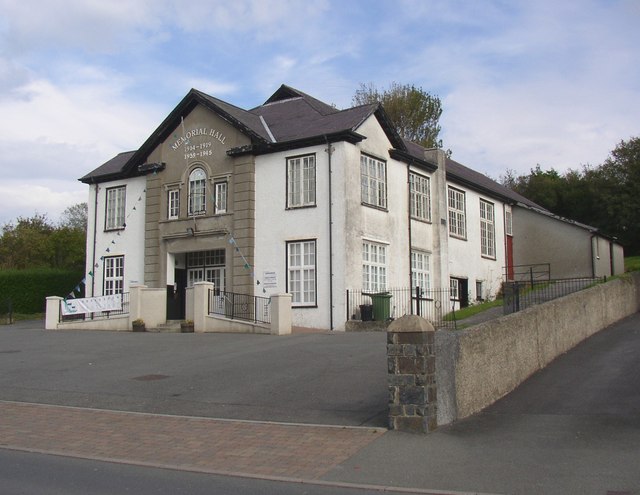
(521, 82)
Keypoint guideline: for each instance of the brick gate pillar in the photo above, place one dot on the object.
(412, 375)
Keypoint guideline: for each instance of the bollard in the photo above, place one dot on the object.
(412, 375)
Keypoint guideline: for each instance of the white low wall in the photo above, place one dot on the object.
(478, 365)
(219, 324)
(150, 306)
(146, 304)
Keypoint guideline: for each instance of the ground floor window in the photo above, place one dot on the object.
(206, 266)
(301, 272)
(374, 266)
(113, 275)
(420, 271)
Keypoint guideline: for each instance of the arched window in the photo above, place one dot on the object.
(197, 192)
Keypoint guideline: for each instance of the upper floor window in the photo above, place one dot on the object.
(420, 191)
(374, 266)
(220, 197)
(508, 221)
(373, 180)
(173, 204)
(113, 275)
(197, 192)
(116, 199)
(487, 229)
(457, 213)
(301, 181)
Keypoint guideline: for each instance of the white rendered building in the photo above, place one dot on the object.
(295, 196)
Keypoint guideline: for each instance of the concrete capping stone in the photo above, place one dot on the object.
(410, 324)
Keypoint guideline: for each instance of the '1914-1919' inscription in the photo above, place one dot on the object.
(200, 149)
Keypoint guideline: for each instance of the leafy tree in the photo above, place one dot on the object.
(619, 186)
(26, 244)
(36, 243)
(606, 197)
(75, 217)
(414, 112)
(540, 186)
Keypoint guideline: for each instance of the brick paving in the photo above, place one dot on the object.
(268, 450)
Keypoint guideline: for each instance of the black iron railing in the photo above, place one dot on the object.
(523, 294)
(240, 306)
(98, 315)
(434, 305)
(527, 273)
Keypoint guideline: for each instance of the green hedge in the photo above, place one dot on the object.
(28, 289)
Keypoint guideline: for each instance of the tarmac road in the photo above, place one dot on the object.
(326, 378)
(572, 428)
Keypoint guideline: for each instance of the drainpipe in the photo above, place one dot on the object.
(329, 151)
(593, 258)
(95, 234)
(409, 220)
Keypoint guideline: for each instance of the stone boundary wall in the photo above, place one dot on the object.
(477, 366)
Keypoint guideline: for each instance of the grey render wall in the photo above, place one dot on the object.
(538, 238)
(478, 365)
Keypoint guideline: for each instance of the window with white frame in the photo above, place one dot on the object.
(487, 229)
(508, 221)
(420, 270)
(374, 266)
(301, 181)
(197, 192)
(457, 213)
(173, 204)
(454, 289)
(301, 272)
(373, 180)
(113, 275)
(420, 192)
(220, 189)
(116, 200)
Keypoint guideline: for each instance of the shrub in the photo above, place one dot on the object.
(28, 289)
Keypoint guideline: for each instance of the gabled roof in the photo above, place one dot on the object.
(285, 92)
(288, 119)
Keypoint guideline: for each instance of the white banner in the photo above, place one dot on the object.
(92, 304)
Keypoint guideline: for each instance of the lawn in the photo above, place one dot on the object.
(632, 264)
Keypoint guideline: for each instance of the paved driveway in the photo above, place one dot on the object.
(325, 378)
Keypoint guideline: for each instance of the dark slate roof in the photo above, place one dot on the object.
(457, 172)
(110, 168)
(249, 120)
(297, 118)
(285, 92)
(291, 118)
(288, 119)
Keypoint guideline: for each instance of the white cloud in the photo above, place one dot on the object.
(24, 199)
(521, 83)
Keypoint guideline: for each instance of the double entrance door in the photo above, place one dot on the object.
(201, 266)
